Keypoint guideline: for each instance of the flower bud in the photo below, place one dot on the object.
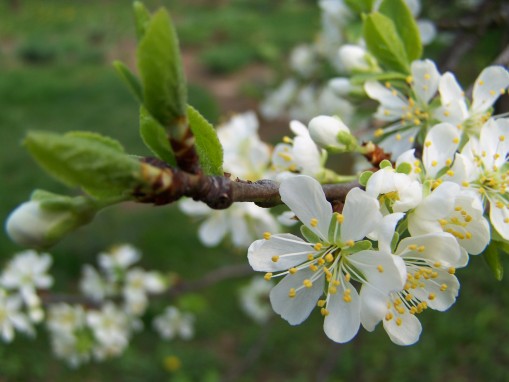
(331, 133)
(355, 58)
(41, 223)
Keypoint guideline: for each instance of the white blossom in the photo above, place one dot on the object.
(12, 318)
(254, 299)
(174, 323)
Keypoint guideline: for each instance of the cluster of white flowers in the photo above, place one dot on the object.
(308, 93)
(20, 305)
(392, 251)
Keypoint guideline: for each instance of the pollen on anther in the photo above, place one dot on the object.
(451, 270)
(431, 296)
(427, 143)
(434, 163)
(443, 287)
(292, 293)
(350, 243)
(292, 270)
(501, 138)
(318, 246)
(378, 133)
(321, 303)
(340, 218)
(313, 267)
(380, 268)
(310, 257)
(456, 140)
(399, 321)
(333, 289)
(267, 276)
(275, 258)
(313, 222)
(398, 137)
(329, 258)
(324, 312)
(388, 316)
(307, 283)
(267, 235)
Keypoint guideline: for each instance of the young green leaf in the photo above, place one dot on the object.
(383, 41)
(129, 79)
(208, 145)
(492, 257)
(155, 137)
(90, 161)
(164, 85)
(141, 18)
(360, 6)
(400, 14)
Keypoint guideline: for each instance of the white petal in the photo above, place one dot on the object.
(212, 231)
(439, 148)
(361, 215)
(398, 143)
(409, 191)
(490, 141)
(385, 231)
(390, 101)
(290, 249)
(425, 78)
(373, 307)
(442, 299)
(343, 321)
(405, 334)
(305, 197)
(306, 155)
(499, 217)
(449, 89)
(436, 247)
(488, 87)
(427, 30)
(380, 270)
(193, 208)
(299, 129)
(409, 157)
(295, 310)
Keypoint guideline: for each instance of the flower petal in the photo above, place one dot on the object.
(425, 78)
(373, 307)
(295, 310)
(289, 249)
(407, 333)
(392, 104)
(435, 247)
(213, 230)
(305, 197)
(499, 218)
(361, 215)
(439, 292)
(343, 321)
(439, 147)
(488, 87)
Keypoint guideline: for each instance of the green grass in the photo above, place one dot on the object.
(74, 88)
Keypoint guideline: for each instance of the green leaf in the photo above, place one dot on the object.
(208, 146)
(164, 86)
(385, 163)
(492, 257)
(383, 41)
(309, 235)
(360, 6)
(129, 79)
(360, 79)
(364, 177)
(155, 137)
(95, 163)
(400, 14)
(404, 168)
(141, 18)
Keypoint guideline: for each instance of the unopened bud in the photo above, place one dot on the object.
(355, 58)
(41, 223)
(331, 133)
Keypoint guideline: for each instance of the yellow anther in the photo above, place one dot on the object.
(292, 270)
(321, 303)
(346, 296)
(292, 293)
(400, 309)
(398, 137)
(267, 276)
(336, 283)
(411, 139)
(333, 289)
(320, 261)
(399, 321)
(459, 126)
(324, 312)
(468, 218)
(409, 79)
(465, 183)
(311, 257)
(446, 113)
(442, 222)
(267, 235)
(318, 246)
(421, 248)
(501, 138)
(451, 270)
(394, 93)
(417, 121)
(493, 92)
(468, 235)
(380, 268)
(378, 133)
(481, 82)
(307, 283)
(275, 258)
(397, 302)
(427, 143)
(450, 173)
(409, 297)
(329, 258)
(456, 140)
(287, 157)
(287, 139)
(506, 220)
(427, 76)
(388, 316)
(340, 218)
(350, 243)
(313, 267)
(431, 296)
(313, 222)
(438, 264)
(502, 91)
(496, 156)
(387, 84)
(448, 162)
(387, 112)
(434, 163)
(443, 287)
(412, 310)
(348, 277)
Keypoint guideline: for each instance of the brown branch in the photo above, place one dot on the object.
(163, 185)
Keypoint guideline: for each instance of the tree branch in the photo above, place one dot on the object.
(167, 184)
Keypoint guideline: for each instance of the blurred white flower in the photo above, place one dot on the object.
(12, 318)
(93, 285)
(173, 323)
(118, 258)
(138, 284)
(303, 60)
(254, 299)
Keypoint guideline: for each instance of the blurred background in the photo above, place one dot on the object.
(56, 75)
